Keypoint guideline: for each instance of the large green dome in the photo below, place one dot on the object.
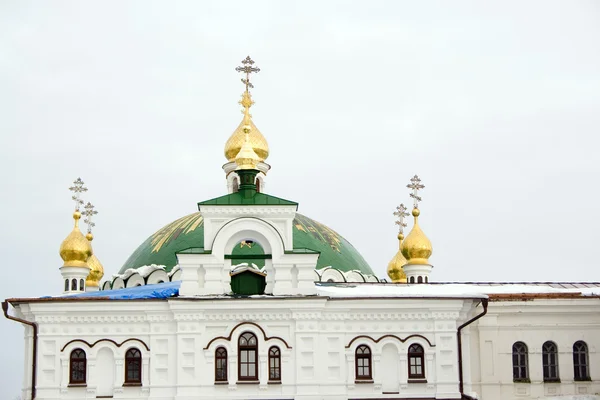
(188, 232)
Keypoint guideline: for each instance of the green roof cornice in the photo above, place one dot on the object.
(236, 199)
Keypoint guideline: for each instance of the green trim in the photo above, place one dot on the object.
(237, 199)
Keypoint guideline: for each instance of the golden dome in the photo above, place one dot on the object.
(238, 137)
(96, 268)
(394, 269)
(416, 247)
(75, 250)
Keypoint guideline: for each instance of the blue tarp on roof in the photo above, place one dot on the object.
(155, 291)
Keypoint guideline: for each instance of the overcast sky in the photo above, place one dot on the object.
(494, 104)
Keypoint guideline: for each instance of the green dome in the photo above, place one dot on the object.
(187, 232)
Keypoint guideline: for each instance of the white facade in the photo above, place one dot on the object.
(317, 336)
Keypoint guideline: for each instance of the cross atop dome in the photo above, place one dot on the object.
(415, 185)
(247, 68)
(77, 189)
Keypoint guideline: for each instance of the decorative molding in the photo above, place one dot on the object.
(265, 338)
(105, 340)
(392, 336)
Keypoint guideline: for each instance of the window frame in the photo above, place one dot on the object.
(364, 354)
(550, 362)
(417, 355)
(578, 354)
(274, 358)
(521, 351)
(77, 360)
(248, 348)
(221, 355)
(133, 355)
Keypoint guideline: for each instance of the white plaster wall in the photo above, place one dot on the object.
(563, 321)
(317, 361)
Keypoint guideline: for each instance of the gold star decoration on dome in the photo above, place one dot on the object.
(89, 214)
(247, 68)
(415, 185)
(77, 189)
(401, 214)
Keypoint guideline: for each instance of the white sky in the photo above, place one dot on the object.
(494, 104)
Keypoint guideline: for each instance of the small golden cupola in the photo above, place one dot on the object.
(238, 137)
(75, 250)
(417, 247)
(92, 281)
(394, 270)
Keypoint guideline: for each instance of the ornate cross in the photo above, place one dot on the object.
(77, 189)
(415, 185)
(89, 214)
(247, 69)
(401, 214)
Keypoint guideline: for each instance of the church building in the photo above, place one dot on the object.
(247, 298)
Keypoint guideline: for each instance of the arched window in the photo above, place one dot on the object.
(550, 362)
(520, 362)
(77, 368)
(420, 279)
(363, 363)
(236, 185)
(258, 185)
(274, 364)
(426, 279)
(133, 367)
(416, 362)
(81, 285)
(248, 357)
(66, 285)
(581, 371)
(73, 284)
(221, 365)
(412, 279)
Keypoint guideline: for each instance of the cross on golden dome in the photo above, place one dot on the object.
(89, 214)
(415, 185)
(77, 189)
(401, 214)
(247, 68)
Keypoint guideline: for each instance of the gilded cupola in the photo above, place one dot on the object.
(394, 270)
(96, 268)
(76, 249)
(238, 137)
(416, 247)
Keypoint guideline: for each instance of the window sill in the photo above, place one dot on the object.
(420, 380)
(555, 380)
(587, 379)
(521, 380)
(248, 382)
(361, 381)
(274, 382)
(134, 384)
(77, 385)
(221, 382)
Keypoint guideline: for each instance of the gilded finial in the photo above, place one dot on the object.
(394, 270)
(416, 247)
(77, 189)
